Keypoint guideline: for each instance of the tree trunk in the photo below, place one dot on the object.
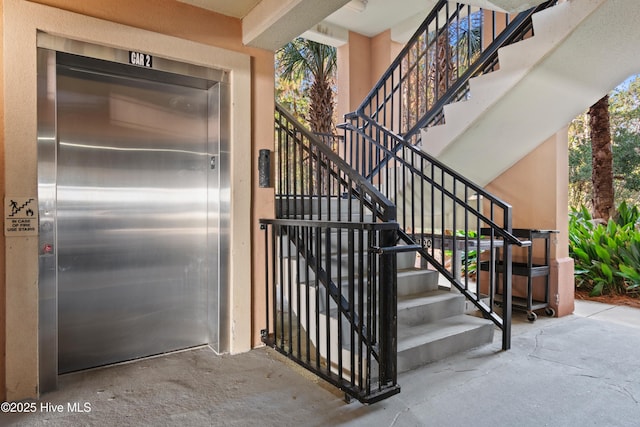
(321, 107)
(601, 159)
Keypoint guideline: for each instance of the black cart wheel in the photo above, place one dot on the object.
(531, 316)
(549, 312)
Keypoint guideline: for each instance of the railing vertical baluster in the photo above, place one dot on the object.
(493, 26)
(287, 140)
(360, 309)
(433, 209)
(455, 257)
(317, 240)
(340, 298)
(412, 204)
(447, 48)
(295, 181)
(281, 286)
(404, 188)
(478, 236)
(507, 291)
(307, 242)
(274, 287)
(368, 321)
(290, 304)
(352, 299)
(266, 329)
(374, 312)
(327, 298)
(466, 239)
(298, 286)
(443, 226)
(278, 173)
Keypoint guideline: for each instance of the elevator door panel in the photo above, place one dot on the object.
(132, 213)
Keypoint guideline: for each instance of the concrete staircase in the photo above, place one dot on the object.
(431, 320)
(432, 324)
(581, 50)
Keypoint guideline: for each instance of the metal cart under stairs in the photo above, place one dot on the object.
(530, 270)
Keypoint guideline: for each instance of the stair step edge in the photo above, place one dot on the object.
(414, 336)
(426, 298)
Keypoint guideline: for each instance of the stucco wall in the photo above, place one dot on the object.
(537, 188)
(164, 28)
(361, 63)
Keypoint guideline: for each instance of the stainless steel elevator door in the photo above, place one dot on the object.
(132, 211)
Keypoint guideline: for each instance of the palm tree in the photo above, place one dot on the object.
(601, 159)
(315, 63)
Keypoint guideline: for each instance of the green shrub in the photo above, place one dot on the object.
(606, 257)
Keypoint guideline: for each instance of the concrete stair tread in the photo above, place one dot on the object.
(430, 306)
(415, 300)
(418, 279)
(406, 273)
(414, 281)
(414, 336)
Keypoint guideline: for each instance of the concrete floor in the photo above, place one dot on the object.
(580, 370)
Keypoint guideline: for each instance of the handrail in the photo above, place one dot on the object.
(434, 67)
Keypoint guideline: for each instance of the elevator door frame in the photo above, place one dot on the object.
(218, 222)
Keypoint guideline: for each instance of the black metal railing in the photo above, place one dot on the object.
(443, 212)
(332, 302)
(311, 178)
(375, 188)
(455, 43)
(331, 269)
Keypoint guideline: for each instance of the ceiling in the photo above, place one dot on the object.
(269, 24)
(367, 17)
(375, 16)
(235, 8)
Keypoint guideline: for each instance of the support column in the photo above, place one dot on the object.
(361, 63)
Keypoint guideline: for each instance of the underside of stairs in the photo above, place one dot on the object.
(581, 50)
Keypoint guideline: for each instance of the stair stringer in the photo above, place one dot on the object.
(543, 83)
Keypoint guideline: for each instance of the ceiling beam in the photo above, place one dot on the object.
(273, 23)
(327, 33)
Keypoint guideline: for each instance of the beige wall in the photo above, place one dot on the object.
(164, 28)
(354, 73)
(537, 188)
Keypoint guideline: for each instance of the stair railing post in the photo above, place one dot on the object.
(507, 291)
(388, 304)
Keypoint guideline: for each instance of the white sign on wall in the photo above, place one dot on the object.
(20, 216)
